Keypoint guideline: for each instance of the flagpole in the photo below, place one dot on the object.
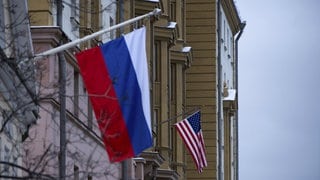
(156, 11)
(192, 111)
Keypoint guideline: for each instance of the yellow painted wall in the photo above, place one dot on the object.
(201, 78)
(40, 12)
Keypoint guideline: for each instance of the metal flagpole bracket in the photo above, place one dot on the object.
(155, 12)
(55, 50)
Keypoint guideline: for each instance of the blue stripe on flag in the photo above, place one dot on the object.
(124, 79)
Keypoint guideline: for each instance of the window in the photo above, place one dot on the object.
(8, 129)
(173, 10)
(224, 29)
(74, 17)
(2, 33)
(227, 40)
(1, 154)
(230, 47)
(173, 83)
(14, 169)
(156, 62)
(95, 15)
(90, 114)
(76, 93)
(76, 172)
(155, 125)
(6, 158)
(112, 33)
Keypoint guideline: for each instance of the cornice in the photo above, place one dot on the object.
(164, 30)
(181, 54)
(143, 7)
(167, 174)
(52, 35)
(46, 34)
(232, 15)
(153, 158)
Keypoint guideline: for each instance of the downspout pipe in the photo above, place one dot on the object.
(242, 26)
(219, 93)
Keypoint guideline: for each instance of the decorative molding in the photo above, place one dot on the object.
(232, 15)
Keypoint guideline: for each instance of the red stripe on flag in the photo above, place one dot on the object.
(189, 141)
(105, 104)
(202, 149)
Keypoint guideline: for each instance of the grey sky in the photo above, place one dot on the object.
(279, 81)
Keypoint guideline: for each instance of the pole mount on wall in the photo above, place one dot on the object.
(63, 47)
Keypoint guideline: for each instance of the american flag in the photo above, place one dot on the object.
(191, 134)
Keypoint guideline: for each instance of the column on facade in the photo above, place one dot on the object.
(180, 61)
(229, 109)
(164, 37)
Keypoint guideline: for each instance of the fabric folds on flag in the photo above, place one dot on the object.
(191, 134)
(116, 77)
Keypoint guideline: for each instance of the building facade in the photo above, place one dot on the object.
(212, 27)
(18, 110)
(192, 60)
(85, 154)
(169, 56)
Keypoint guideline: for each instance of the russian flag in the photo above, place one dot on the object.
(116, 78)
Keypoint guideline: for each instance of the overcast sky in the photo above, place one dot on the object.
(279, 95)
